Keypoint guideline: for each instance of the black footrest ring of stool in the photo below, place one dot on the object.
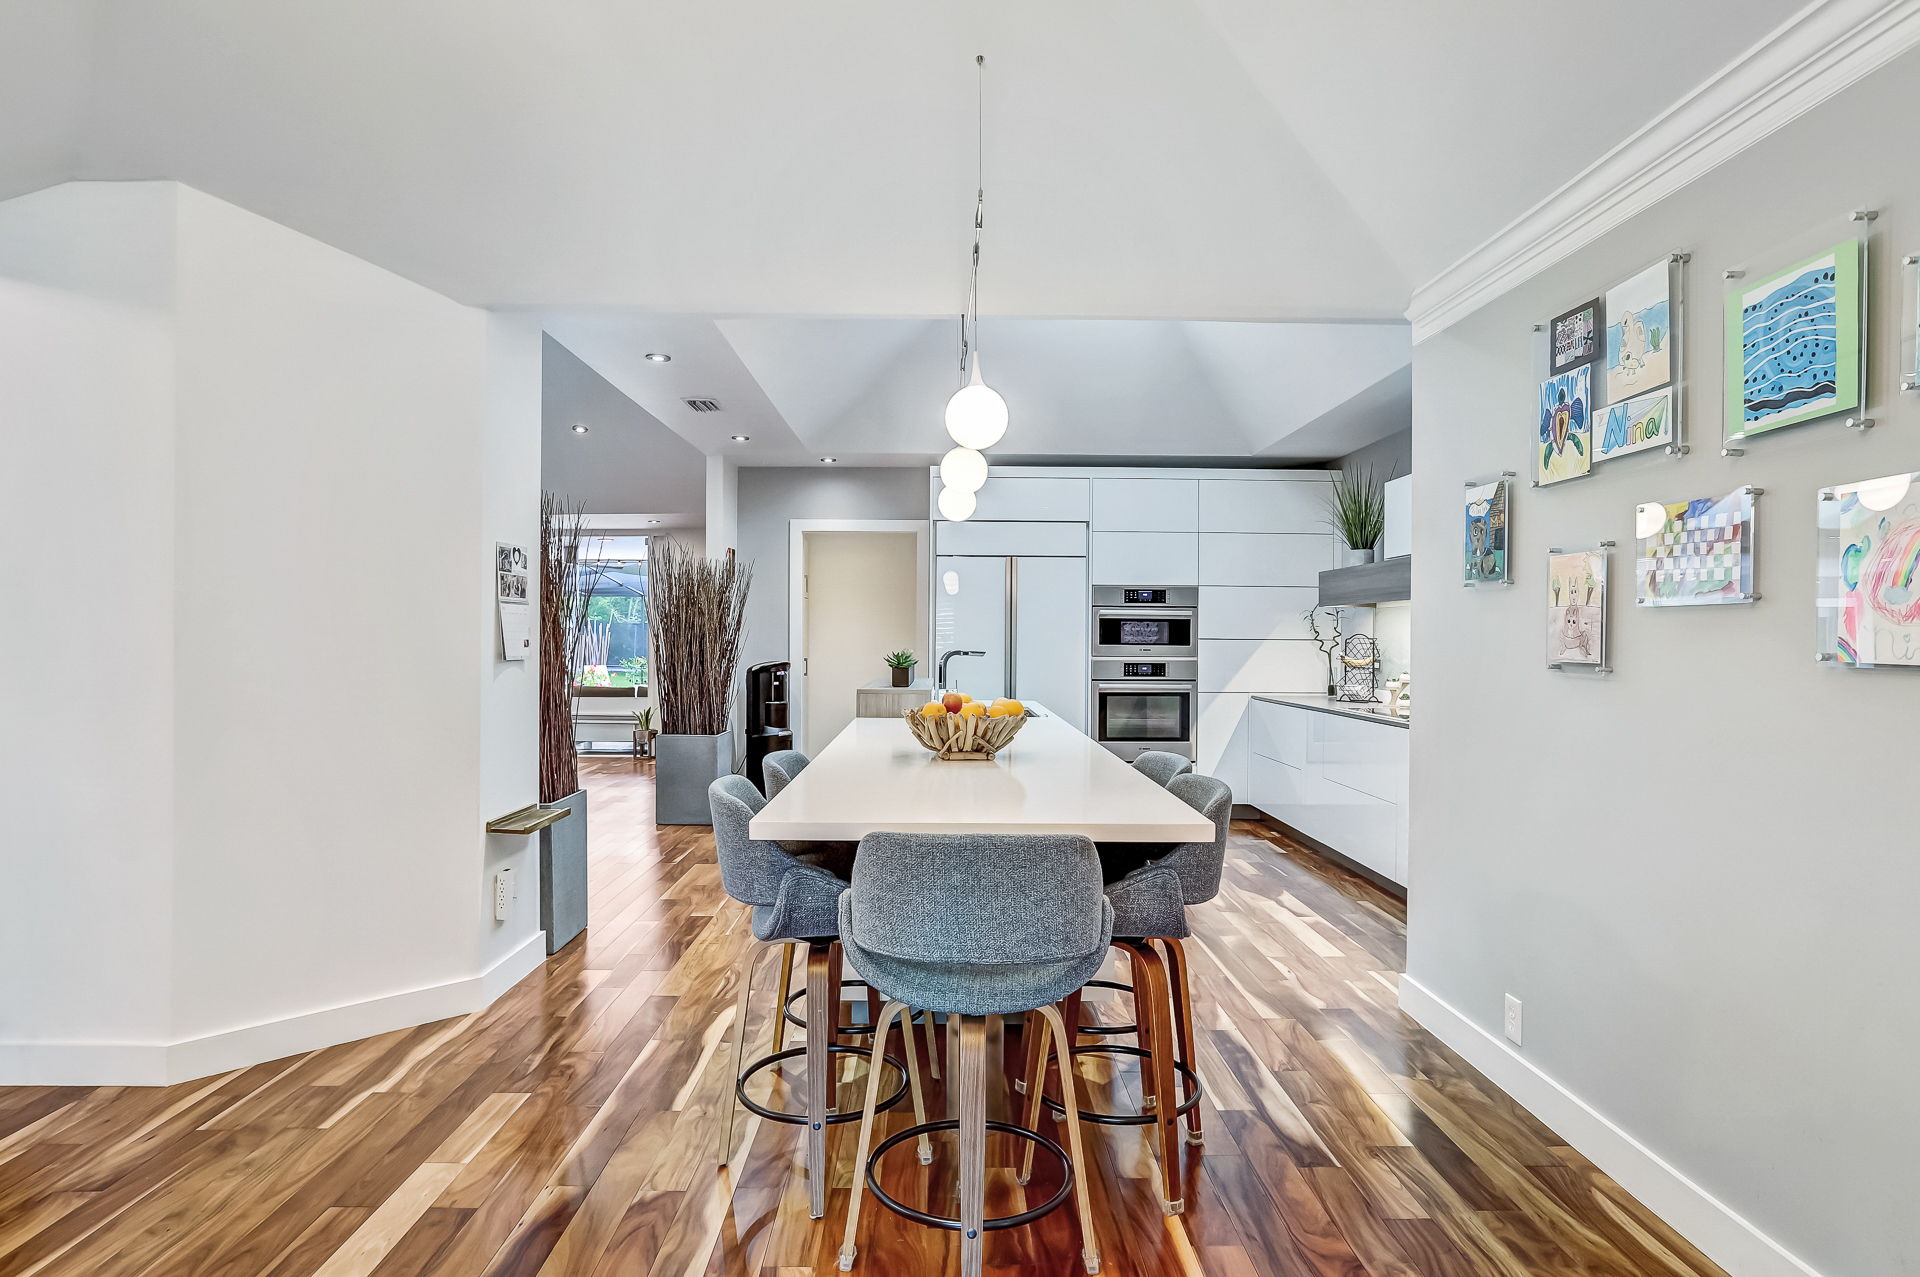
(800, 1119)
(905, 1211)
(847, 1031)
(1189, 1085)
(1108, 1030)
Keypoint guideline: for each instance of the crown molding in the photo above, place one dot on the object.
(1815, 54)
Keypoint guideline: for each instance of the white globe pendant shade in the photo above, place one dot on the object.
(976, 415)
(964, 470)
(956, 506)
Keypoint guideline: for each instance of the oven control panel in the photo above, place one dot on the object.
(1143, 596)
(1143, 669)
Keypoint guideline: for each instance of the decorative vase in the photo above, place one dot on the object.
(1352, 558)
(563, 873)
(683, 767)
(902, 675)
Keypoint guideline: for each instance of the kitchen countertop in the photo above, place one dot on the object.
(1377, 713)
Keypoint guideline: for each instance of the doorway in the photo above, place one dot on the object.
(862, 595)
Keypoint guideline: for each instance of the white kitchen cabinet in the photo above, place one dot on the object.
(1145, 558)
(1220, 746)
(1146, 505)
(1257, 505)
(1340, 781)
(1259, 558)
(1397, 499)
(1032, 500)
(1059, 540)
(1256, 611)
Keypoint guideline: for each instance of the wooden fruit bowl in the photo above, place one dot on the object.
(975, 737)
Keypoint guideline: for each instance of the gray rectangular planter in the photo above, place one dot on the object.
(683, 767)
(563, 873)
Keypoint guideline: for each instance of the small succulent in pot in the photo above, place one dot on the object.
(902, 663)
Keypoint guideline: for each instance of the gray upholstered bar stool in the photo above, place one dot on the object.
(793, 902)
(1149, 926)
(1159, 765)
(780, 767)
(976, 925)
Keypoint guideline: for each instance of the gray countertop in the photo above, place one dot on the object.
(1376, 713)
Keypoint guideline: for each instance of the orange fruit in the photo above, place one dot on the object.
(964, 698)
(932, 709)
(1015, 707)
(997, 710)
(974, 709)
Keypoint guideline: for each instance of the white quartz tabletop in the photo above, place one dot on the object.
(1050, 779)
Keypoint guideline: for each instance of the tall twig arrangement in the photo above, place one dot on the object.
(563, 609)
(696, 610)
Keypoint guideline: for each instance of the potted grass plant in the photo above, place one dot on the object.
(696, 610)
(1357, 512)
(563, 611)
(902, 663)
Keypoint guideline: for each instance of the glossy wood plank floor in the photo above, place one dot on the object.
(570, 1128)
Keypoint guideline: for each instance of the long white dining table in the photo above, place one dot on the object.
(1050, 779)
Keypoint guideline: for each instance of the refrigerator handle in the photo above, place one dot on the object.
(1013, 628)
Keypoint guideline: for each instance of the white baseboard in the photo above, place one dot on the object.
(165, 1063)
(1703, 1219)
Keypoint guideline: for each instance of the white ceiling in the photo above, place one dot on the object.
(625, 164)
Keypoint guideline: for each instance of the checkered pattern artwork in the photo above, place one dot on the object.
(1696, 552)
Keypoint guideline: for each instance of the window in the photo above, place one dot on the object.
(613, 637)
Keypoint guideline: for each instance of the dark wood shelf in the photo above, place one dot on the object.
(1388, 581)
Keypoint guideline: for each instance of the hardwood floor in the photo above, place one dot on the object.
(570, 1128)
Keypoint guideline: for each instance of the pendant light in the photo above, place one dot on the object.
(976, 414)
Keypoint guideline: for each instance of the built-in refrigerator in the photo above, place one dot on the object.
(1028, 613)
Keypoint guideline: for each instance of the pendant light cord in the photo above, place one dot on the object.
(970, 341)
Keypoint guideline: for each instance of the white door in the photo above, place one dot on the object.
(970, 613)
(1051, 620)
(861, 603)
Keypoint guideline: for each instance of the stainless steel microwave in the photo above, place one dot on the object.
(1160, 622)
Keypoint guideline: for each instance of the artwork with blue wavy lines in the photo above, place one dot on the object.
(1799, 344)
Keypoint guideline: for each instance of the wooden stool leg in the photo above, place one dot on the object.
(1082, 1189)
(786, 991)
(882, 1023)
(970, 1105)
(739, 1051)
(928, 1033)
(1154, 1007)
(1037, 1030)
(820, 1018)
(1183, 1022)
(1030, 1039)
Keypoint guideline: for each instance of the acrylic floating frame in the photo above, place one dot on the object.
(1696, 553)
(1867, 600)
(1910, 322)
(1486, 531)
(1577, 608)
(1575, 337)
(1795, 334)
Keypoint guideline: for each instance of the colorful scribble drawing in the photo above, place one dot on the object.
(1486, 532)
(1566, 426)
(1795, 340)
(1577, 608)
(1879, 571)
(1638, 424)
(1695, 552)
(1640, 333)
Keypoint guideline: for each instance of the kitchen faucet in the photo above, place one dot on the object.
(947, 656)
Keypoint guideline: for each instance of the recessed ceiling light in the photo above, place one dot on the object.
(739, 438)
(829, 460)
(656, 357)
(579, 429)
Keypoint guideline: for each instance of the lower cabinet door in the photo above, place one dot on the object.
(1359, 826)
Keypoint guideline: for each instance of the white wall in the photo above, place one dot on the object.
(315, 458)
(87, 646)
(1699, 872)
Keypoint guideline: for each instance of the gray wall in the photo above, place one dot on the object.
(1700, 872)
(627, 462)
(772, 496)
(1387, 458)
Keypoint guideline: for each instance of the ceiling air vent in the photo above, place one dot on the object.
(703, 405)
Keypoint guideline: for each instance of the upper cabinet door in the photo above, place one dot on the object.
(1065, 540)
(1398, 540)
(1264, 505)
(1145, 558)
(1146, 505)
(1255, 558)
(1051, 500)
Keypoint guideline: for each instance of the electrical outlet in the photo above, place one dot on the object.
(502, 894)
(1513, 1019)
